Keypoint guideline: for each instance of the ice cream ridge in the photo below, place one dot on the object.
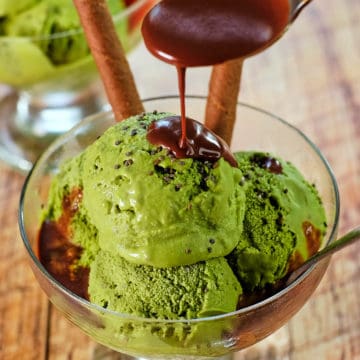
(136, 229)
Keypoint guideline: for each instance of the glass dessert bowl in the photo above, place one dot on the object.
(214, 336)
(50, 80)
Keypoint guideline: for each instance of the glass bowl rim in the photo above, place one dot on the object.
(125, 316)
(116, 17)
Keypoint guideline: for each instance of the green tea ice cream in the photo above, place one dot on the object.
(157, 236)
(284, 220)
(154, 229)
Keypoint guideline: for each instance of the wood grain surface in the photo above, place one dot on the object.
(311, 78)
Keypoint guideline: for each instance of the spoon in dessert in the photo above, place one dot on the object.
(296, 6)
(347, 239)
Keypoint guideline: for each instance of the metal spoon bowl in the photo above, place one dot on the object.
(296, 7)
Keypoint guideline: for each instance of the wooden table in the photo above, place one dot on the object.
(311, 78)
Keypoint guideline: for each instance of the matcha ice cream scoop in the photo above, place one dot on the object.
(153, 209)
(284, 220)
(154, 230)
(182, 292)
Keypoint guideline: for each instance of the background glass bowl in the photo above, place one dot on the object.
(53, 84)
(216, 336)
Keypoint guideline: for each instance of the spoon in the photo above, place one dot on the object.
(296, 7)
(348, 239)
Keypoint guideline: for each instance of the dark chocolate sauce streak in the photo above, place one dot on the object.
(313, 237)
(58, 254)
(268, 163)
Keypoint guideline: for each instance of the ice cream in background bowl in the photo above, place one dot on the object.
(52, 79)
(209, 294)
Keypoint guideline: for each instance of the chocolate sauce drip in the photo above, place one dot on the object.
(295, 261)
(200, 143)
(198, 33)
(181, 71)
(193, 33)
(58, 254)
(268, 163)
(313, 237)
(313, 241)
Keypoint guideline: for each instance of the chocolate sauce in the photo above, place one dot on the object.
(188, 138)
(268, 163)
(197, 33)
(58, 254)
(313, 241)
(200, 33)
(313, 237)
(200, 143)
(295, 261)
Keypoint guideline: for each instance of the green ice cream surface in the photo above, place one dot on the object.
(51, 17)
(154, 209)
(192, 291)
(149, 207)
(182, 292)
(277, 207)
(119, 214)
(83, 233)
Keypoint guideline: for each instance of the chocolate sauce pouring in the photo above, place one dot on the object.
(200, 33)
(189, 33)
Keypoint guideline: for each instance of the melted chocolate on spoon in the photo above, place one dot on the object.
(197, 33)
(200, 33)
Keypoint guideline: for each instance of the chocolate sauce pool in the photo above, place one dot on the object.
(199, 33)
(58, 253)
